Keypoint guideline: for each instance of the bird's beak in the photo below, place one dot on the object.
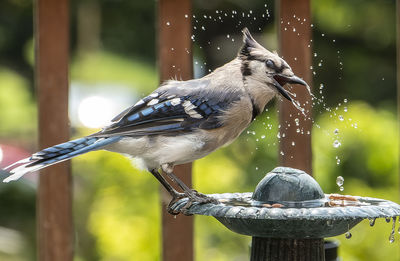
(281, 80)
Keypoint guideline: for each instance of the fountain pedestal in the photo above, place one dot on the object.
(287, 185)
(286, 249)
(288, 215)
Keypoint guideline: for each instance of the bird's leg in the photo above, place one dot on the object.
(193, 195)
(175, 194)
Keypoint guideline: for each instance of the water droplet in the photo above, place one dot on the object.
(336, 144)
(168, 23)
(203, 28)
(348, 235)
(186, 16)
(263, 137)
(345, 100)
(337, 161)
(278, 135)
(341, 188)
(391, 237)
(293, 143)
(218, 48)
(387, 219)
(341, 118)
(315, 54)
(372, 222)
(282, 153)
(336, 131)
(339, 181)
(345, 109)
(294, 29)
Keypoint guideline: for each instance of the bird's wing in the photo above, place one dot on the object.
(172, 109)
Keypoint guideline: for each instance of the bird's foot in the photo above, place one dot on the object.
(193, 197)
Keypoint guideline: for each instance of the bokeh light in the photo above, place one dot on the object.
(95, 111)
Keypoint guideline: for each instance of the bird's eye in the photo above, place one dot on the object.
(270, 63)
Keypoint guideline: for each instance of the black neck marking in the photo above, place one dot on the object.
(256, 111)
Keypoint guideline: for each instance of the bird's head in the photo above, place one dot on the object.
(261, 65)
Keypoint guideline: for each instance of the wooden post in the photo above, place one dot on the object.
(175, 61)
(55, 229)
(294, 39)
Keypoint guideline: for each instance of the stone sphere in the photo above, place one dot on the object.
(287, 184)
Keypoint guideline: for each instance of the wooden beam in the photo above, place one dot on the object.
(55, 229)
(294, 40)
(175, 61)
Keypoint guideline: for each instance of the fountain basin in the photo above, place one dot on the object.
(315, 218)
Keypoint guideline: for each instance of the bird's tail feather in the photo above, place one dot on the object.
(56, 154)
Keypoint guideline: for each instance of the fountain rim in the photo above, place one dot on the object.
(386, 209)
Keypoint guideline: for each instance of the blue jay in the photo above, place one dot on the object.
(182, 121)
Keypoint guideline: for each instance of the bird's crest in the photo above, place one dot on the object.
(250, 47)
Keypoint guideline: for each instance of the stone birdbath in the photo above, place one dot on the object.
(288, 215)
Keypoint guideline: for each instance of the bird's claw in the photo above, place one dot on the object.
(192, 198)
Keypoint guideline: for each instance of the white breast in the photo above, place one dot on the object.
(157, 150)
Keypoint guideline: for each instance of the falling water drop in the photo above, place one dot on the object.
(391, 237)
(372, 222)
(339, 181)
(336, 144)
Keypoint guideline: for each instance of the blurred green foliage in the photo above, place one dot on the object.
(16, 106)
(117, 206)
